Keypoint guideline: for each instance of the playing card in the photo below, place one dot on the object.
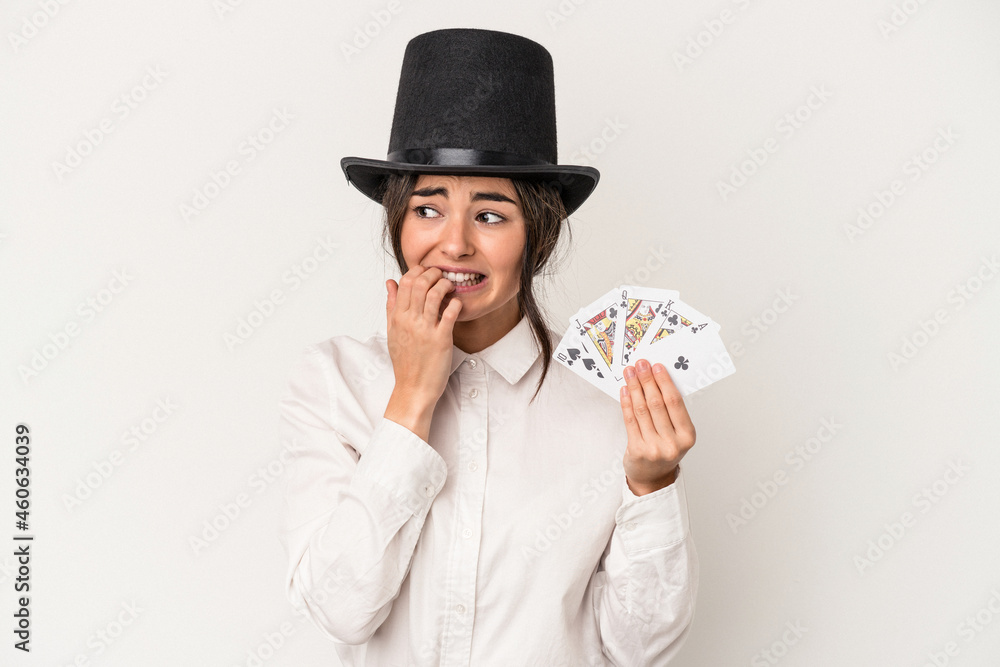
(596, 305)
(693, 359)
(577, 354)
(595, 325)
(675, 316)
(632, 322)
(638, 309)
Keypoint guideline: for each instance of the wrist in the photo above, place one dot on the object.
(410, 411)
(641, 489)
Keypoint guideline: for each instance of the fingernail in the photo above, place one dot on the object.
(643, 365)
(629, 372)
(658, 368)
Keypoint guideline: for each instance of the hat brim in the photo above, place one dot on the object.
(574, 183)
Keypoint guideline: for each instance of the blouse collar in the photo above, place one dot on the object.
(511, 356)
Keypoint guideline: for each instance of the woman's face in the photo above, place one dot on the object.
(472, 224)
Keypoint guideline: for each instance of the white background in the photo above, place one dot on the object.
(657, 218)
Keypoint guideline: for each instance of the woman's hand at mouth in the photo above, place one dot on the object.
(419, 334)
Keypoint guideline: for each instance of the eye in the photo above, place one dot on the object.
(499, 218)
(418, 210)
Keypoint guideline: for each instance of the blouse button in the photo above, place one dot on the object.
(472, 363)
(428, 490)
(473, 393)
(630, 525)
(460, 608)
(473, 466)
(467, 533)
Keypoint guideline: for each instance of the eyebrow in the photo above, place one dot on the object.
(476, 196)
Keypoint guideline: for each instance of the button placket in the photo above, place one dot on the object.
(470, 485)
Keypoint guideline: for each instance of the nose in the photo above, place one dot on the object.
(455, 238)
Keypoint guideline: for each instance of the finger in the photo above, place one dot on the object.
(628, 415)
(639, 407)
(421, 284)
(435, 295)
(392, 289)
(414, 297)
(654, 398)
(404, 297)
(450, 314)
(674, 402)
(390, 302)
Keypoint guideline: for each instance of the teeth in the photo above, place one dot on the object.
(460, 277)
(463, 279)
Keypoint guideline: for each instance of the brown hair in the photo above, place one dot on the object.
(543, 212)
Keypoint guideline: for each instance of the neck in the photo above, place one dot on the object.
(476, 335)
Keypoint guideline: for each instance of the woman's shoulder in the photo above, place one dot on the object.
(356, 370)
(351, 353)
(341, 383)
(350, 343)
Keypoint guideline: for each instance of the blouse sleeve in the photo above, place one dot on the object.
(645, 586)
(351, 521)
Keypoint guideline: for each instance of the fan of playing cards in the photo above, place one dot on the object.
(633, 322)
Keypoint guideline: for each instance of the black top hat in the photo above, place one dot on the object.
(478, 103)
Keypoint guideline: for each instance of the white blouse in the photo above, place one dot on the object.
(509, 538)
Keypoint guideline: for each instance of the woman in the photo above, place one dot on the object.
(454, 498)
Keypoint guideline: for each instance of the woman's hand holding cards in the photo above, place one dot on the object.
(419, 335)
(659, 428)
